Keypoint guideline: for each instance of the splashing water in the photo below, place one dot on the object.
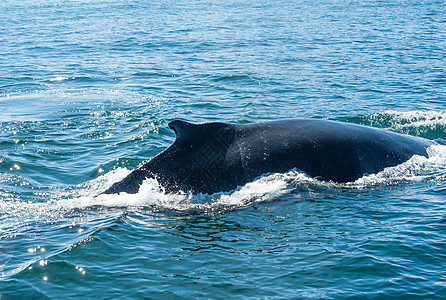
(429, 124)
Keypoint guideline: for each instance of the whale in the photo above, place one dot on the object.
(219, 157)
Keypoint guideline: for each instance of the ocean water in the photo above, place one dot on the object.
(87, 89)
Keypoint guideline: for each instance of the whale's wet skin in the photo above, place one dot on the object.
(214, 157)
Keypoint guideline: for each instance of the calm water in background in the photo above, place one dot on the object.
(87, 89)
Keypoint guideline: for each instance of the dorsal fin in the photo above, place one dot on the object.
(196, 133)
(182, 129)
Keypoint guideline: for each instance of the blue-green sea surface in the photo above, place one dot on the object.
(87, 89)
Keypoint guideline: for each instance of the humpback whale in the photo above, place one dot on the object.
(214, 157)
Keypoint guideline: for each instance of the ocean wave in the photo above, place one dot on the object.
(428, 124)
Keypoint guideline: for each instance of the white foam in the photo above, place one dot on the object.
(416, 169)
(61, 200)
(403, 121)
(59, 78)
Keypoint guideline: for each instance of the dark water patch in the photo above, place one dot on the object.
(20, 87)
(234, 78)
(152, 75)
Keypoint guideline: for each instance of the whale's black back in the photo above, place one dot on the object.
(327, 150)
(214, 157)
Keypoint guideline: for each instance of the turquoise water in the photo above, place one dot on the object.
(87, 89)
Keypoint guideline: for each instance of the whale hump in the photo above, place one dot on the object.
(186, 132)
(219, 157)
